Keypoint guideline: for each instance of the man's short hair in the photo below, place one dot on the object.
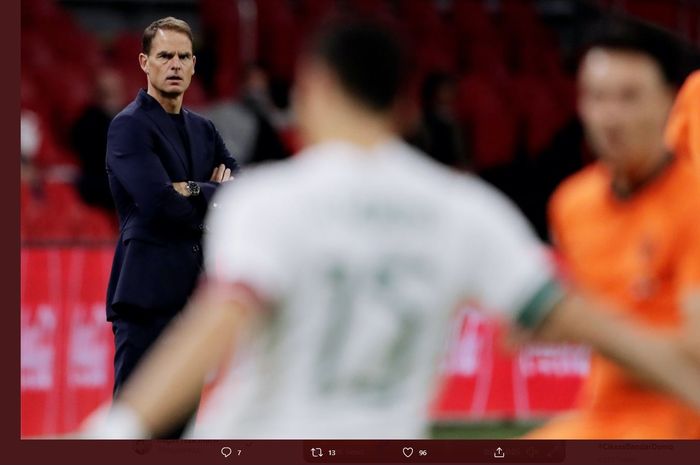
(169, 24)
(367, 58)
(661, 46)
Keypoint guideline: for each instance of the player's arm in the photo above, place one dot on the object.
(671, 363)
(668, 359)
(690, 338)
(517, 278)
(166, 385)
(226, 167)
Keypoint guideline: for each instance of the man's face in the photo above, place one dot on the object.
(623, 102)
(170, 63)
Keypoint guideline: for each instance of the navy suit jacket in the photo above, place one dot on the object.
(158, 257)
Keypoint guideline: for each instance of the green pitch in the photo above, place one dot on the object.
(491, 430)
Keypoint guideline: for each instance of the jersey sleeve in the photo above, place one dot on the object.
(688, 265)
(513, 272)
(683, 127)
(243, 243)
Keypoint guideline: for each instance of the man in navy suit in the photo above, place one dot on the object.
(164, 164)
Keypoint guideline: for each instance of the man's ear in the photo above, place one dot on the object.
(143, 62)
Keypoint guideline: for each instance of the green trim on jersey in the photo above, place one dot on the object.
(540, 305)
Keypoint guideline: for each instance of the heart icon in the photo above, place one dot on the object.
(408, 451)
(226, 451)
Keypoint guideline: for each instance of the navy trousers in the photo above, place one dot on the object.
(133, 336)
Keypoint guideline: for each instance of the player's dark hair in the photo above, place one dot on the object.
(367, 58)
(661, 46)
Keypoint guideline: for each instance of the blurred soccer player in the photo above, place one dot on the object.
(629, 228)
(334, 276)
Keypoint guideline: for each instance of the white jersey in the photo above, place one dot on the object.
(364, 255)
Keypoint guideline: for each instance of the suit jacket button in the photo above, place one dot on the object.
(195, 248)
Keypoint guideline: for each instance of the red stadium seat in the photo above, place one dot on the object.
(71, 43)
(134, 78)
(432, 57)
(28, 210)
(125, 49)
(49, 151)
(195, 97)
(36, 50)
(313, 12)
(98, 225)
(666, 14)
(55, 213)
(36, 12)
(372, 8)
(219, 15)
(486, 59)
(694, 24)
(421, 17)
(226, 82)
(42, 215)
(539, 110)
(486, 113)
(31, 97)
(278, 36)
(68, 88)
(519, 23)
(471, 19)
(221, 25)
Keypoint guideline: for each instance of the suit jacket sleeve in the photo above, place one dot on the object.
(132, 158)
(222, 155)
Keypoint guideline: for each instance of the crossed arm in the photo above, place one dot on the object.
(220, 175)
(670, 361)
(132, 159)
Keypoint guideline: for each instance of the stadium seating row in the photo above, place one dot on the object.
(512, 89)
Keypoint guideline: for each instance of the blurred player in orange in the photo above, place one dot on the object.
(628, 228)
(683, 130)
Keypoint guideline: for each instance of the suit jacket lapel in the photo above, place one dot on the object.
(197, 166)
(161, 119)
(188, 129)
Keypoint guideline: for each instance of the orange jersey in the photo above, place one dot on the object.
(683, 128)
(639, 255)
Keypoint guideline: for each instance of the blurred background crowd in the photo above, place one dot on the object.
(491, 91)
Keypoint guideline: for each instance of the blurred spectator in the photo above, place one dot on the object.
(249, 127)
(30, 142)
(440, 135)
(89, 138)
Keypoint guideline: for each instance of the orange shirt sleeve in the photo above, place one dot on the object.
(688, 271)
(683, 127)
(555, 220)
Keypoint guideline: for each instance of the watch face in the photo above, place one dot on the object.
(193, 187)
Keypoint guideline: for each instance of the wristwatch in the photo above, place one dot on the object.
(192, 188)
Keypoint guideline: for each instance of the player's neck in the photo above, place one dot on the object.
(356, 127)
(170, 103)
(625, 185)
